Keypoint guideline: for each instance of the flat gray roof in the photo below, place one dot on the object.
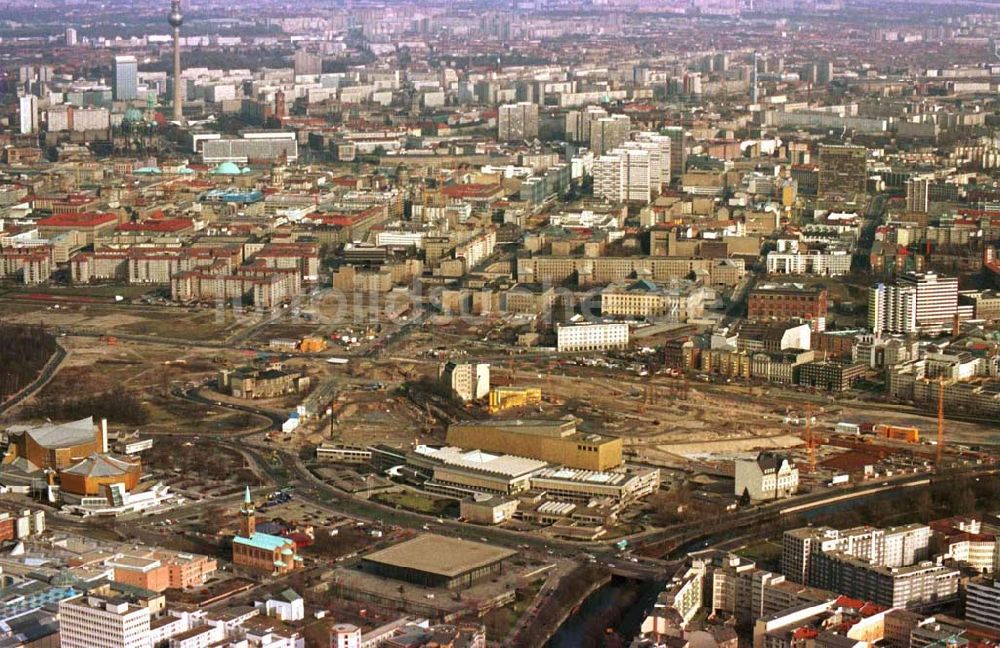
(435, 554)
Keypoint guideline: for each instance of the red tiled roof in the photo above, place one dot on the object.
(470, 190)
(847, 601)
(77, 220)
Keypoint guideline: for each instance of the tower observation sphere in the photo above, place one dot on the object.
(176, 18)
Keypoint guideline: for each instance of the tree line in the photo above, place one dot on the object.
(24, 351)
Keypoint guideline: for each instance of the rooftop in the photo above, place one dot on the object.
(77, 220)
(99, 465)
(478, 460)
(263, 541)
(440, 555)
(62, 435)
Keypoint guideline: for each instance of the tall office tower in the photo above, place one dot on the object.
(824, 72)
(578, 123)
(29, 114)
(892, 309)
(517, 122)
(307, 63)
(608, 133)
(126, 87)
(722, 62)
(937, 299)
(176, 19)
(70, 37)
(754, 79)
(810, 73)
(918, 195)
(678, 150)
(843, 170)
(88, 621)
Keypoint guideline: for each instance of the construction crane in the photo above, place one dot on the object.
(940, 421)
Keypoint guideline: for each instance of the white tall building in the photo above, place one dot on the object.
(892, 309)
(517, 122)
(70, 37)
(610, 177)
(29, 114)
(660, 151)
(97, 622)
(626, 174)
(937, 299)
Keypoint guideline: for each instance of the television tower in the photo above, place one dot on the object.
(176, 19)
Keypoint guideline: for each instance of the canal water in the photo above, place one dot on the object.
(610, 617)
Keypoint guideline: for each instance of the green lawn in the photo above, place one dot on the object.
(763, 553)
(414, 502)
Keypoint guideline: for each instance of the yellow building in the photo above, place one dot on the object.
(502, 398)
(312, 345)
(554, 441)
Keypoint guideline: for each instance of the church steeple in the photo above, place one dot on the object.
(248, 516)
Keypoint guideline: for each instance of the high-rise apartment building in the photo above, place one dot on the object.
(70, 37)
(87, 621)
(307, 63)
(624, 174)
(937, 299)
(578, 123)
(843, 170)
(660, 148)
(892, 309)
(28, 114)
(824, 72)
(126, 86)
(608, 133)
(918, 195)
(517, 122)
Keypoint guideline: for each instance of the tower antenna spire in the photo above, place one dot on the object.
(176, 19)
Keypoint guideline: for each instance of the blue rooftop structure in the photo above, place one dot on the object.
(31, 595)
(264, 541)
(228, 168)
